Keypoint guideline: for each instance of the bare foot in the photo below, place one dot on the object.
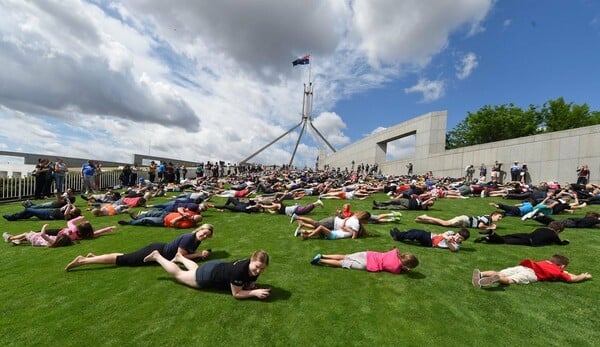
(75, 263)
(151, 257)
(177, 258)
(493, 204)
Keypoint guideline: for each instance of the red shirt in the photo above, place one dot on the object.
(545, 270)
(183, 223)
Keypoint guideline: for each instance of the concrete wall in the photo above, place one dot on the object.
(549, 157)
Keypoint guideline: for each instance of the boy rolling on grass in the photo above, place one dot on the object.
(529, 271)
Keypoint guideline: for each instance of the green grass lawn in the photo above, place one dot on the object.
(435, 305)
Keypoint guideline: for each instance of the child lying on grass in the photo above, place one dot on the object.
(529, 271)
(392, 261)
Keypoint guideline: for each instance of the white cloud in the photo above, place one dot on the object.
(431, 90)
(199, 80)
(507, 23)
(467, 64)
(411, 31)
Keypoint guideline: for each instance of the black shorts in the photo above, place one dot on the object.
(137, 258)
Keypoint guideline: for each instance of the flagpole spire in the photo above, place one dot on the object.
(309, 68)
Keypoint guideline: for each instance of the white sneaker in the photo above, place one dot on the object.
(293, 219)
(483, 193)
(6, 237)
(319, 202)
(16, 242)
(529, 215)
(298, 231)
(487, 281)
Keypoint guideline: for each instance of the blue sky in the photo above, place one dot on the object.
(214, 81)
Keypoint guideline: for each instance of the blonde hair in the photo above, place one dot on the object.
(208, 226)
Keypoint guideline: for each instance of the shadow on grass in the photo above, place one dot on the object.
(218, 254)
(415, 275)
(276, 292)
(468, 249)
(499, 288)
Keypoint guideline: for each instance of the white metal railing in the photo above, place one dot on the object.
(23, 188)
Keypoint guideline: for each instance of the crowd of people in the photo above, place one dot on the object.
(265, 191)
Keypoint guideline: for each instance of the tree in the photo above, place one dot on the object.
(497, 123)
(491, 124)
(558, 115)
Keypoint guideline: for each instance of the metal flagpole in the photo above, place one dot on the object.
(306, 119)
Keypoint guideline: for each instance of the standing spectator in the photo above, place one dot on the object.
(583, 175)
(125, 176)
(162, 168)
(496, 169)
(515, 172)
(410, 169)
(482, 172)
(133, 180)
(469, 170)
(184, 171)
(170, 173)
(87, 173)
(40, 178)
(97, 175)
(523, 174)
(177, 173)
(60, 171)
(152, 171)
(49, 177)
(199, 170)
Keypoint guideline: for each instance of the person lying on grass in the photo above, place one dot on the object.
(180, 219)
(450, 239)
(39, 239)
(529, 271)
(544, 236)
(392, 261)
(464, 221)
(186, 244)
(78, 229)
(67, 212)
(393, 216)
(238, 276)
(278, 207)
(590, 220)
(351, 227)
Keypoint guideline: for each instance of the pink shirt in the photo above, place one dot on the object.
(71, 229)
(388, 261)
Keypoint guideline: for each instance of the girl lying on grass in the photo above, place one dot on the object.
(239, 276)
(77, 229)
(185, 244)
(392, 261)
(39, 239)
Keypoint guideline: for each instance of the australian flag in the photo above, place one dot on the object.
(302, 60)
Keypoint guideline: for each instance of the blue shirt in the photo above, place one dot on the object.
(87, 169)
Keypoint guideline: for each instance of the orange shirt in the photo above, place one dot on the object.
(183, 223)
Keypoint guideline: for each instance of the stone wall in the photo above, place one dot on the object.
(549, 157)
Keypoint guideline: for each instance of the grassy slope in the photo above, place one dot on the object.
(310, 305)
